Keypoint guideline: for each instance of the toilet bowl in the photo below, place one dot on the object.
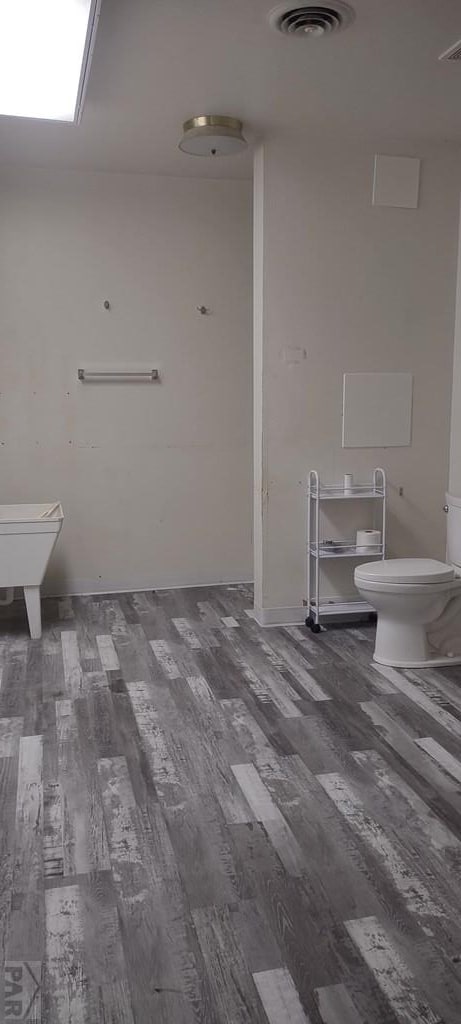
(409, 595)
(418, 601)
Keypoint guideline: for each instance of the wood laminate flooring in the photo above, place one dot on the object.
(204, 821)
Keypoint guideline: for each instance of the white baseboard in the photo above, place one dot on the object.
(85, 588)
(280, 616)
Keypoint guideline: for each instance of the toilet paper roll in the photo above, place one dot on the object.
(367, 539)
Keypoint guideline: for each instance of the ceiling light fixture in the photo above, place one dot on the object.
(212, 135)
(47, 47)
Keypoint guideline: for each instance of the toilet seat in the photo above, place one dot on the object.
(407, 590)
(411, 572)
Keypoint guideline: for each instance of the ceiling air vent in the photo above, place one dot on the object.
(453, 52)
(311, 19)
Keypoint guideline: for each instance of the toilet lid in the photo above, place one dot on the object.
(405, 570)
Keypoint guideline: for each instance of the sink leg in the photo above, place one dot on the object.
(32, 599)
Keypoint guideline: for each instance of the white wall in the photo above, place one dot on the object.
(155, 480)
(455, 447)
(360, 288)
(258, 346)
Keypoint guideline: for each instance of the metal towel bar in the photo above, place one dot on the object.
(148, 375)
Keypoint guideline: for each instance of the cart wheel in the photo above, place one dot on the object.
(309, 622)
(316, 628)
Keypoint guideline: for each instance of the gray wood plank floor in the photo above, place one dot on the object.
(205, 822)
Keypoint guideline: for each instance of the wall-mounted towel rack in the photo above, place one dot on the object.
(145, 375)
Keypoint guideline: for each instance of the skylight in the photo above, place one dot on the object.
(45, 47)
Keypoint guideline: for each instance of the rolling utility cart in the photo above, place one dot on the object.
(321, 609)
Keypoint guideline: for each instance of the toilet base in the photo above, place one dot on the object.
(433, 661)
(406, 645)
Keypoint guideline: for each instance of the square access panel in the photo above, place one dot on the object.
(377, 410)
(396, 181)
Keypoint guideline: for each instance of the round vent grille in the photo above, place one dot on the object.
(311, 19)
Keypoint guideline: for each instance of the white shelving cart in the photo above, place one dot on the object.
(321, 609)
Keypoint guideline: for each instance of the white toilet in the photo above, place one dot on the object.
(418, 602)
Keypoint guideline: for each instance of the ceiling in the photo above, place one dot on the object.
(158, 62)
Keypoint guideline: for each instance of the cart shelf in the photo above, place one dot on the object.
(345, 551)
(352, 493)
(334, 608)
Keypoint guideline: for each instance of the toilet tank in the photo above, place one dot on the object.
(454, 530)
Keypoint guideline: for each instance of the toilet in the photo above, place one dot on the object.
(418, 603)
